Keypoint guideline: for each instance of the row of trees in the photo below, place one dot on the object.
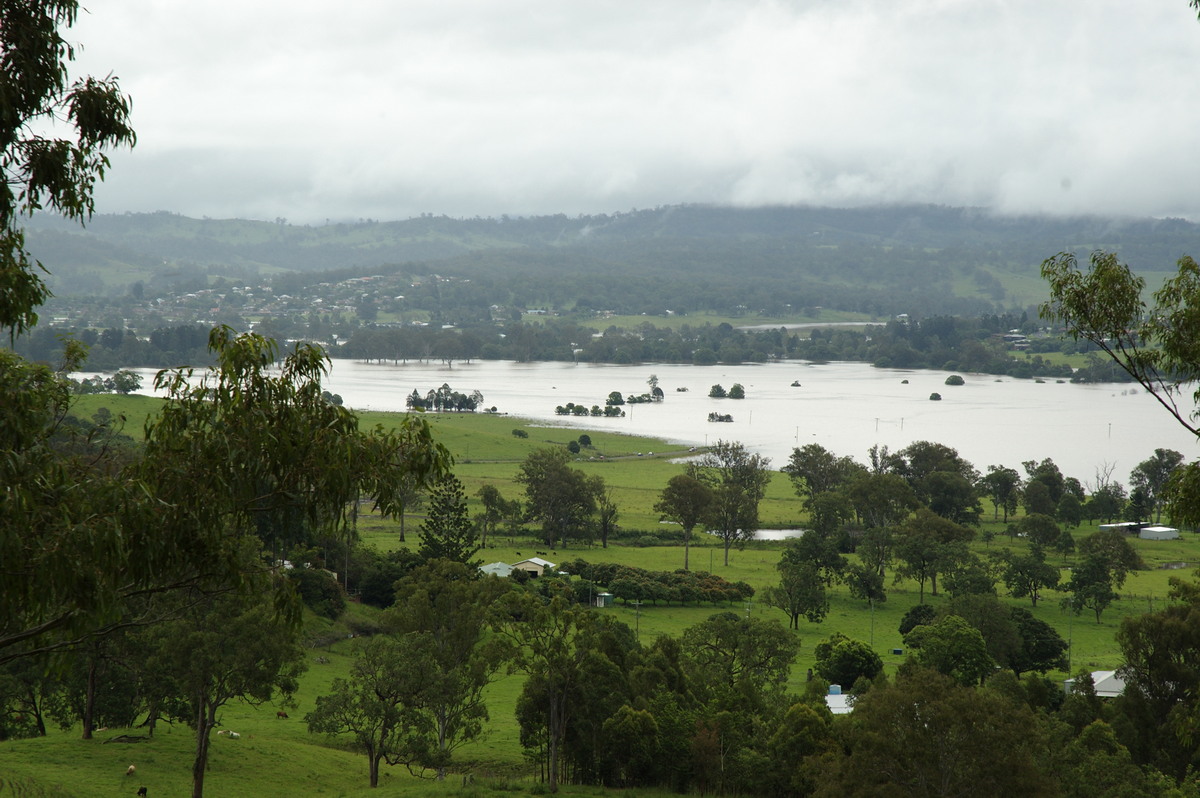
(445, 399)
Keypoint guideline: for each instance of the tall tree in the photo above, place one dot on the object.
(1091, 586)
(738, 481)
(923, 545)
(1162, 678)
(814, 469)
(882, 500)
(737, 656)
(494, 510)
(443, 608)
(607, 512)
(840, 660)
(253, 440)
(220, 650)
(550, 641)
(447, 532)
(924, 735)
(952, 647)
(685, 500)
(90, 115)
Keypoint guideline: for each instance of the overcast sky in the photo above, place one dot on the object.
(314, 109)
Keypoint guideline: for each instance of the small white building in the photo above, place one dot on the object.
(534, 566)
(1107, 684)
(1128, 527)
(1158, 533)
(500, 569)
(838, 702)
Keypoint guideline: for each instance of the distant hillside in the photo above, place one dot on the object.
(960, 253)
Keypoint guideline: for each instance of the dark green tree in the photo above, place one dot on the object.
(814, 470)
(550, 641)
(927, 544)
(926, 736)
(952, 647)
(495, 507)
(607, 513)
(882, 500)
(1091, 586)
(1026, 575)
(444, 609)
(1162, 680)
(1040, 530)
(1042, 648)
(1153, 475)
(561, 497)
(448, 532)
(738, 656)
(1003, 486)
(1115, 551)
(840, 660)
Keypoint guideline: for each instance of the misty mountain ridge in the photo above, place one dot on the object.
(821, 245)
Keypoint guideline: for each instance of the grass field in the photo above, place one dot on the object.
(277, 757)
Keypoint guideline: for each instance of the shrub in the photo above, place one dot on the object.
(954, 379)
(320, 591)
(520, 433)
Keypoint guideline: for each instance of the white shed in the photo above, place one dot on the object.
(1108, 684)
(1158, 533)
(500, 569)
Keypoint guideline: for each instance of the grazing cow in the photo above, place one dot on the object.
(142, 793)
(281, 714)
(129, 771)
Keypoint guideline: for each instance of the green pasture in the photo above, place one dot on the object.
(278, 757)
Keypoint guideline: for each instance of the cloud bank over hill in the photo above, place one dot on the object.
(386, 110)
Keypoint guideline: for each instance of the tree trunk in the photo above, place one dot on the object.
(89, 700)
(687, 539)
(205, 720)
(373, 768)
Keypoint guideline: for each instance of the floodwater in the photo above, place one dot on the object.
(845, 407)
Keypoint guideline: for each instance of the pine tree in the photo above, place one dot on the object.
(448, 532)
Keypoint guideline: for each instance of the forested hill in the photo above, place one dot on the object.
(972, 259)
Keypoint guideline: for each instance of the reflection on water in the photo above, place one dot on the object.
(777, 534)
(845, 407)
